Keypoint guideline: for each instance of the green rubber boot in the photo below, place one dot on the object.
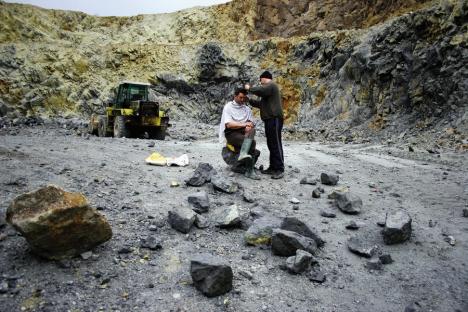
(250, 172)
(244, 152)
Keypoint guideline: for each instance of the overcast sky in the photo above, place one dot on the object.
(121, 7)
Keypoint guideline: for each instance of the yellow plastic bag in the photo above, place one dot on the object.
(156, 159)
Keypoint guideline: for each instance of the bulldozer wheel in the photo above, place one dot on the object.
(102, 126)
(91, 127)
(120, 128)
(157, 134)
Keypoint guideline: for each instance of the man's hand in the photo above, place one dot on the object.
(247, 86)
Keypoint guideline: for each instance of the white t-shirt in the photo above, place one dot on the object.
(233, 112)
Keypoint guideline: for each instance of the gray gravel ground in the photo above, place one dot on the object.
(136, 197)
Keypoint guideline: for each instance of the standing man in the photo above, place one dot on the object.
(239, 130)
(271, 112)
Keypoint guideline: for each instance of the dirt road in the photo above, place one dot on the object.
(135, 197)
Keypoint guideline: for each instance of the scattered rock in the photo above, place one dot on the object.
(414, 307)
(229, 217)
(199, 201)
(352, 225)
(327, 213)
(294, 200)
(295, 225)
(202, 175)
(261, 231)
(299, 263)
(211, 275)
(286, 243)
(451, 240)
(86, 255)
(181, 219)
(151, 144)
(348, 203)
(386, 259)
(58, 224)
(308, 180)
(4, 287)
(201, 222)
(374, 264)
(151, 243)
(248, 197)
(465, 213)
(361, 248)
(329, 179)
(224, 185)
(397, 227)
(316, 193)
(317, 276)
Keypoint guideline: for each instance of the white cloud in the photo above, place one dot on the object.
(120, 7)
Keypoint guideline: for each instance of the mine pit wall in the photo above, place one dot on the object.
(406, 74)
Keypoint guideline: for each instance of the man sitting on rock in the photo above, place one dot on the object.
(239, 130)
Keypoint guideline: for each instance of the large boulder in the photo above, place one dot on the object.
(397, 227)
(286, 243)
(295, 225)
(261, 231)
(58, 224)
(211, 275)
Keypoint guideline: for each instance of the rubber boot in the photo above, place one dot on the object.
(244, 152)
(250, 171)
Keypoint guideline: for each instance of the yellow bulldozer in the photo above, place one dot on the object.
(131, 114)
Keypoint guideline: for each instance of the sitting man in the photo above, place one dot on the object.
(239, 130)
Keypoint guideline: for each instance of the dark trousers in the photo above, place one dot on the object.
(273, 128)
(236, 137)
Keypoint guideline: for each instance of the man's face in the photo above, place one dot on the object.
(240, 98)
(264, 81)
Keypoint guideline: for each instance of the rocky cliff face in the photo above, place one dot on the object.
(348, 70)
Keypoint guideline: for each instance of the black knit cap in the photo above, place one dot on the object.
(266, 74)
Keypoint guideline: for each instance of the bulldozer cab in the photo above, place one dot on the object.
(131, 91)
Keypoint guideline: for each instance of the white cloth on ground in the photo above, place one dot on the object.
(233, 112)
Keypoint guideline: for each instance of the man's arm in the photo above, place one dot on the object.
(255, 103)
(239, 125)
(261, 90)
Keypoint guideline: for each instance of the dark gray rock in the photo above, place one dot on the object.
(329, 179)
(3, 109)
(348, 203)
(286, 243)
(317, 277)
(361, 248)
(224, 185)
(300, 227)
(202, 175)
(210, 275)
(151, 243)
(352, 225)
(181, 219)
(465, 213)
(201, 222)
(316, 193)
(386, 259)
(308, 180)
(248, 197)
(374, 264)
(414, 307)
(261, 231)
(327, 214)
(4, 287)
(228, 217)
(397, 227)
(199, 201)
(299, 263)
